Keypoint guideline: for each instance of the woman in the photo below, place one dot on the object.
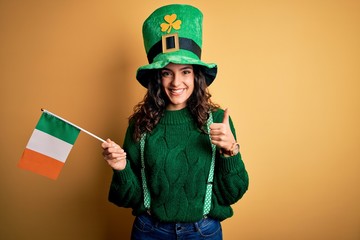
(180, 168)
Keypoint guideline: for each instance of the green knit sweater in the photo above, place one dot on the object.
(177, 163)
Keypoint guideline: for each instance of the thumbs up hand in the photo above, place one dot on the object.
(220, 133)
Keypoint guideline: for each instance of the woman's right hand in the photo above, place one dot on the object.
(114, 155)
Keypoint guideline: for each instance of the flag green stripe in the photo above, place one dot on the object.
(57, 128)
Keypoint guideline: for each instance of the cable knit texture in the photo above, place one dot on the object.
(177, 162)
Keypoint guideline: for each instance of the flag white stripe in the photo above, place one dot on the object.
(48, 145)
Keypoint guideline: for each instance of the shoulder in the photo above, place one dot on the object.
(130, 129)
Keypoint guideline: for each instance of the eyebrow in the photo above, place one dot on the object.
(183, 68)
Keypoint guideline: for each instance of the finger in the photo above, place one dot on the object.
(112, 151)
(115, 149)
(218, 131)
(115, 156)
(106, 144)
(216, 126)
(115, 153)
(226, 117)
(218, 138)
(218, 143)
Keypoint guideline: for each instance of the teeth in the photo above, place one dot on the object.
(177, 90)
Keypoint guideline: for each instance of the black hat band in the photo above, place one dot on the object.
(171, 43)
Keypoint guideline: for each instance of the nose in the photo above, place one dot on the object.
(176, 80)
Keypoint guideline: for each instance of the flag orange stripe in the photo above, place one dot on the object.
(41, 164)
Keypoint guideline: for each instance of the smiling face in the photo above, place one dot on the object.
(178, 83)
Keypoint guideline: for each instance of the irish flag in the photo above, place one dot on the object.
(49, 146)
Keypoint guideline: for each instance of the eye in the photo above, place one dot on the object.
(187, 71)
(165, 73)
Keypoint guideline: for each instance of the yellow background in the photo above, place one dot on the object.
(289, 72)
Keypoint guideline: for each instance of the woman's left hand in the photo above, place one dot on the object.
(220, 133)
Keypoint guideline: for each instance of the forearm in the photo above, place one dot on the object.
(125, 189)
(231, 179)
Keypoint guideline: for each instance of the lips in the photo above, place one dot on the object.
(177, 92)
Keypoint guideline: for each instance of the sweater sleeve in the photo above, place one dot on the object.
(125, 188)
(231, 178)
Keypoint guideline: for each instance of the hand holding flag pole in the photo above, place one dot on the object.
(50, 145)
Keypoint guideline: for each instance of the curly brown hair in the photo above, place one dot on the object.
(149, 111)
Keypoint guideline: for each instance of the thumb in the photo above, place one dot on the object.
(106, 143)
(226, 117)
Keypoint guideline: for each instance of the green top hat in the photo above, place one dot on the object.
(173, 34)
